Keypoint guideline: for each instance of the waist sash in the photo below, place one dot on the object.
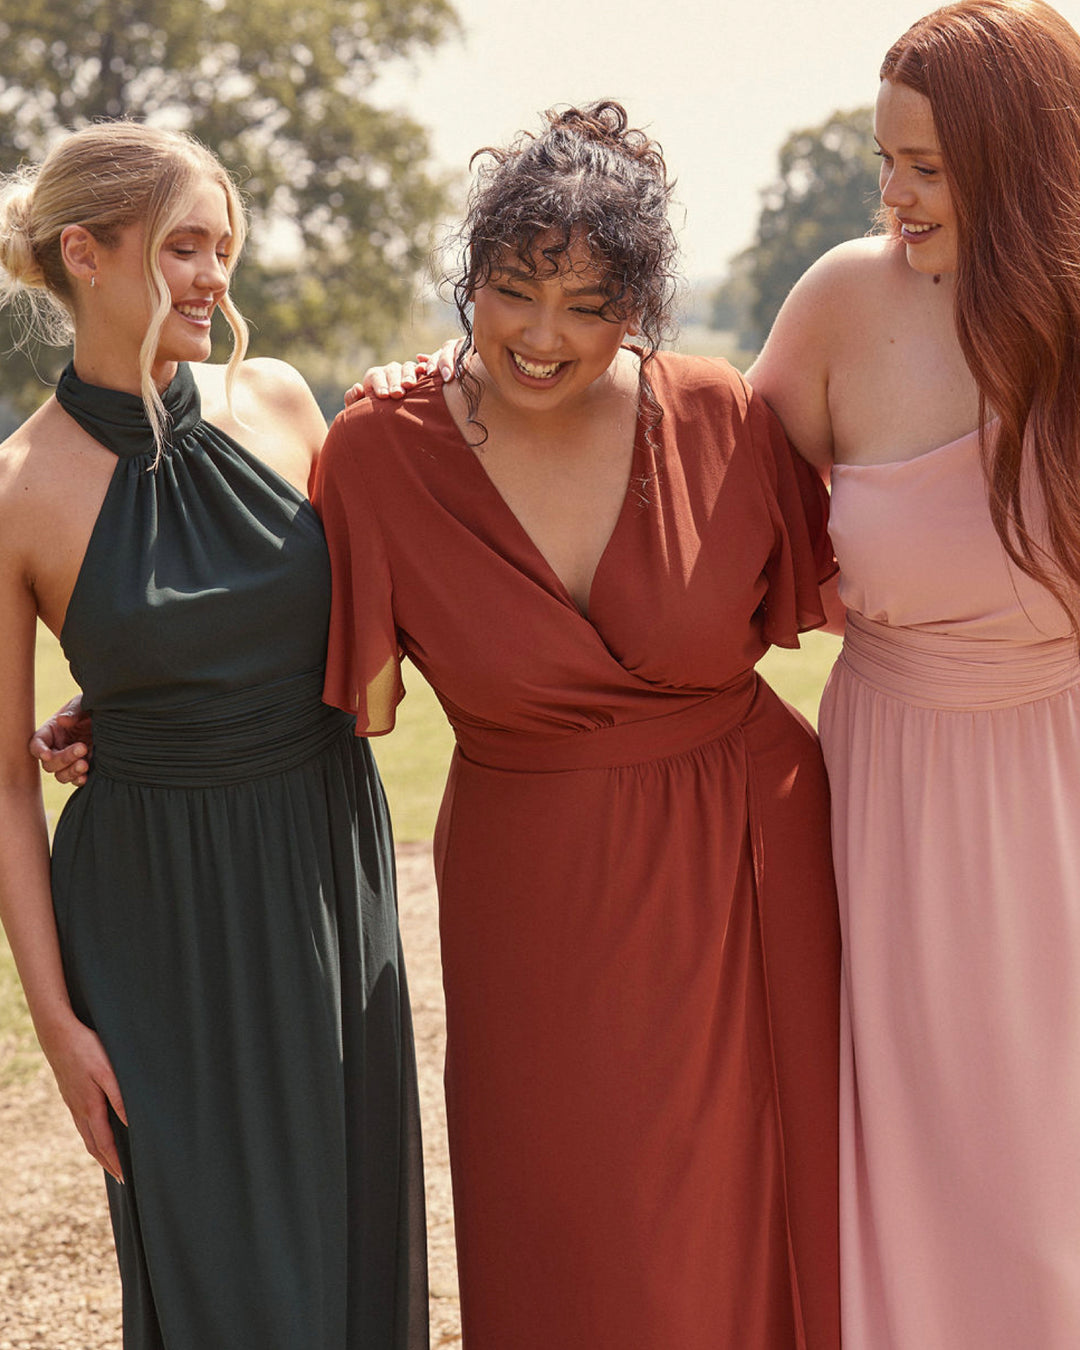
(945, 670)
(616, 746)
(227, 738)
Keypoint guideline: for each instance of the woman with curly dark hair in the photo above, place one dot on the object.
(585, 546)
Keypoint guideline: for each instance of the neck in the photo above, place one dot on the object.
(97, 366)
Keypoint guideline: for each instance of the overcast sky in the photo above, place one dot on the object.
(720, 84)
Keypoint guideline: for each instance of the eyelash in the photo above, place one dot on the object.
(920, 169)
(577, 309)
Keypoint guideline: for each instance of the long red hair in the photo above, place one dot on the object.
(1003, 81)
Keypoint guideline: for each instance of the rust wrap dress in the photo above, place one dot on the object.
(637, 912)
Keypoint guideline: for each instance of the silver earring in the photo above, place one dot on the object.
(92, 280)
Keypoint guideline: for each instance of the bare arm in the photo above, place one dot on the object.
(82, 1069)
(792, 372)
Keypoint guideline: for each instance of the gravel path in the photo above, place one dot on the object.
(58, 1284)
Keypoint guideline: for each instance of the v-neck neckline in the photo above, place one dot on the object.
(637, 473)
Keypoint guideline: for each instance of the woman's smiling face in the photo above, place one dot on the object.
(913, 181)
(194, 260)
(545, 339)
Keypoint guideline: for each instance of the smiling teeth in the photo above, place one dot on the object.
(918, 229)
(194, 311)
(535, 371)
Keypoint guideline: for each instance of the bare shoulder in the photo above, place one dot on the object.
(34, 455)
(47, 461)
(831, 306)
(264, 389)
(851, 274)
(274, 384)
(271, 410)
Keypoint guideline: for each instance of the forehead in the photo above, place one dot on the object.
(574, 264)
(206, 209)
(903, 120)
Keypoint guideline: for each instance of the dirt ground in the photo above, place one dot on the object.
(58, 1284)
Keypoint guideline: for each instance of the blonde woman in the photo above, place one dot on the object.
(214, 973)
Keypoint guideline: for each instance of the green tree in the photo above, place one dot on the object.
(340, 192)
(827, 192)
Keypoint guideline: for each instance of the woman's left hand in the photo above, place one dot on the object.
(63, 743)
(396, 377)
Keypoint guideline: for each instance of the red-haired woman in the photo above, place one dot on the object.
(935, 370)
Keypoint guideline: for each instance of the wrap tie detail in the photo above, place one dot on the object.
(616, 746)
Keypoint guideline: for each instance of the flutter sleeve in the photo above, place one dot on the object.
(802, 556)
(363, 661)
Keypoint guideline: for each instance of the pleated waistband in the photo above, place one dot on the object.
(229, 738)
(615, 746)
(943, 670)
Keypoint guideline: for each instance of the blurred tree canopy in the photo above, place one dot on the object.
(340, 193)
(827, 192)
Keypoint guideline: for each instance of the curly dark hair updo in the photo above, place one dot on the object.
(587, 178)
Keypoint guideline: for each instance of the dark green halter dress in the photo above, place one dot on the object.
(224, 890)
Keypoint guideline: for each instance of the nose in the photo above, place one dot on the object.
(214, 274)
(895, 189)
(542, 331)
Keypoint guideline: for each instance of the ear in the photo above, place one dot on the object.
(80, 252)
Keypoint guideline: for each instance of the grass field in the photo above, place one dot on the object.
(412, 761)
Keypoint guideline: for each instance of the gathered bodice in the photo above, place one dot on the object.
(917, 549)
(938, 615)
(206, 571)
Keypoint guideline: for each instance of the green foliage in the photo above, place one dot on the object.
(827, 192)
(339, 191)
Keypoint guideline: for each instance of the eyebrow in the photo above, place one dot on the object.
(915, 151)
(200, 232)
(519, 274)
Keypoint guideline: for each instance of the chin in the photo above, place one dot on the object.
(930, 264)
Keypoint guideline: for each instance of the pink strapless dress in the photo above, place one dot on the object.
(951, 729)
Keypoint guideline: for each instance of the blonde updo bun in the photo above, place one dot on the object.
(17, 256)
(24, 282)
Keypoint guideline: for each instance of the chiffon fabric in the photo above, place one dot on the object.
(951, 728)
(224, 892)
(639, 938)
